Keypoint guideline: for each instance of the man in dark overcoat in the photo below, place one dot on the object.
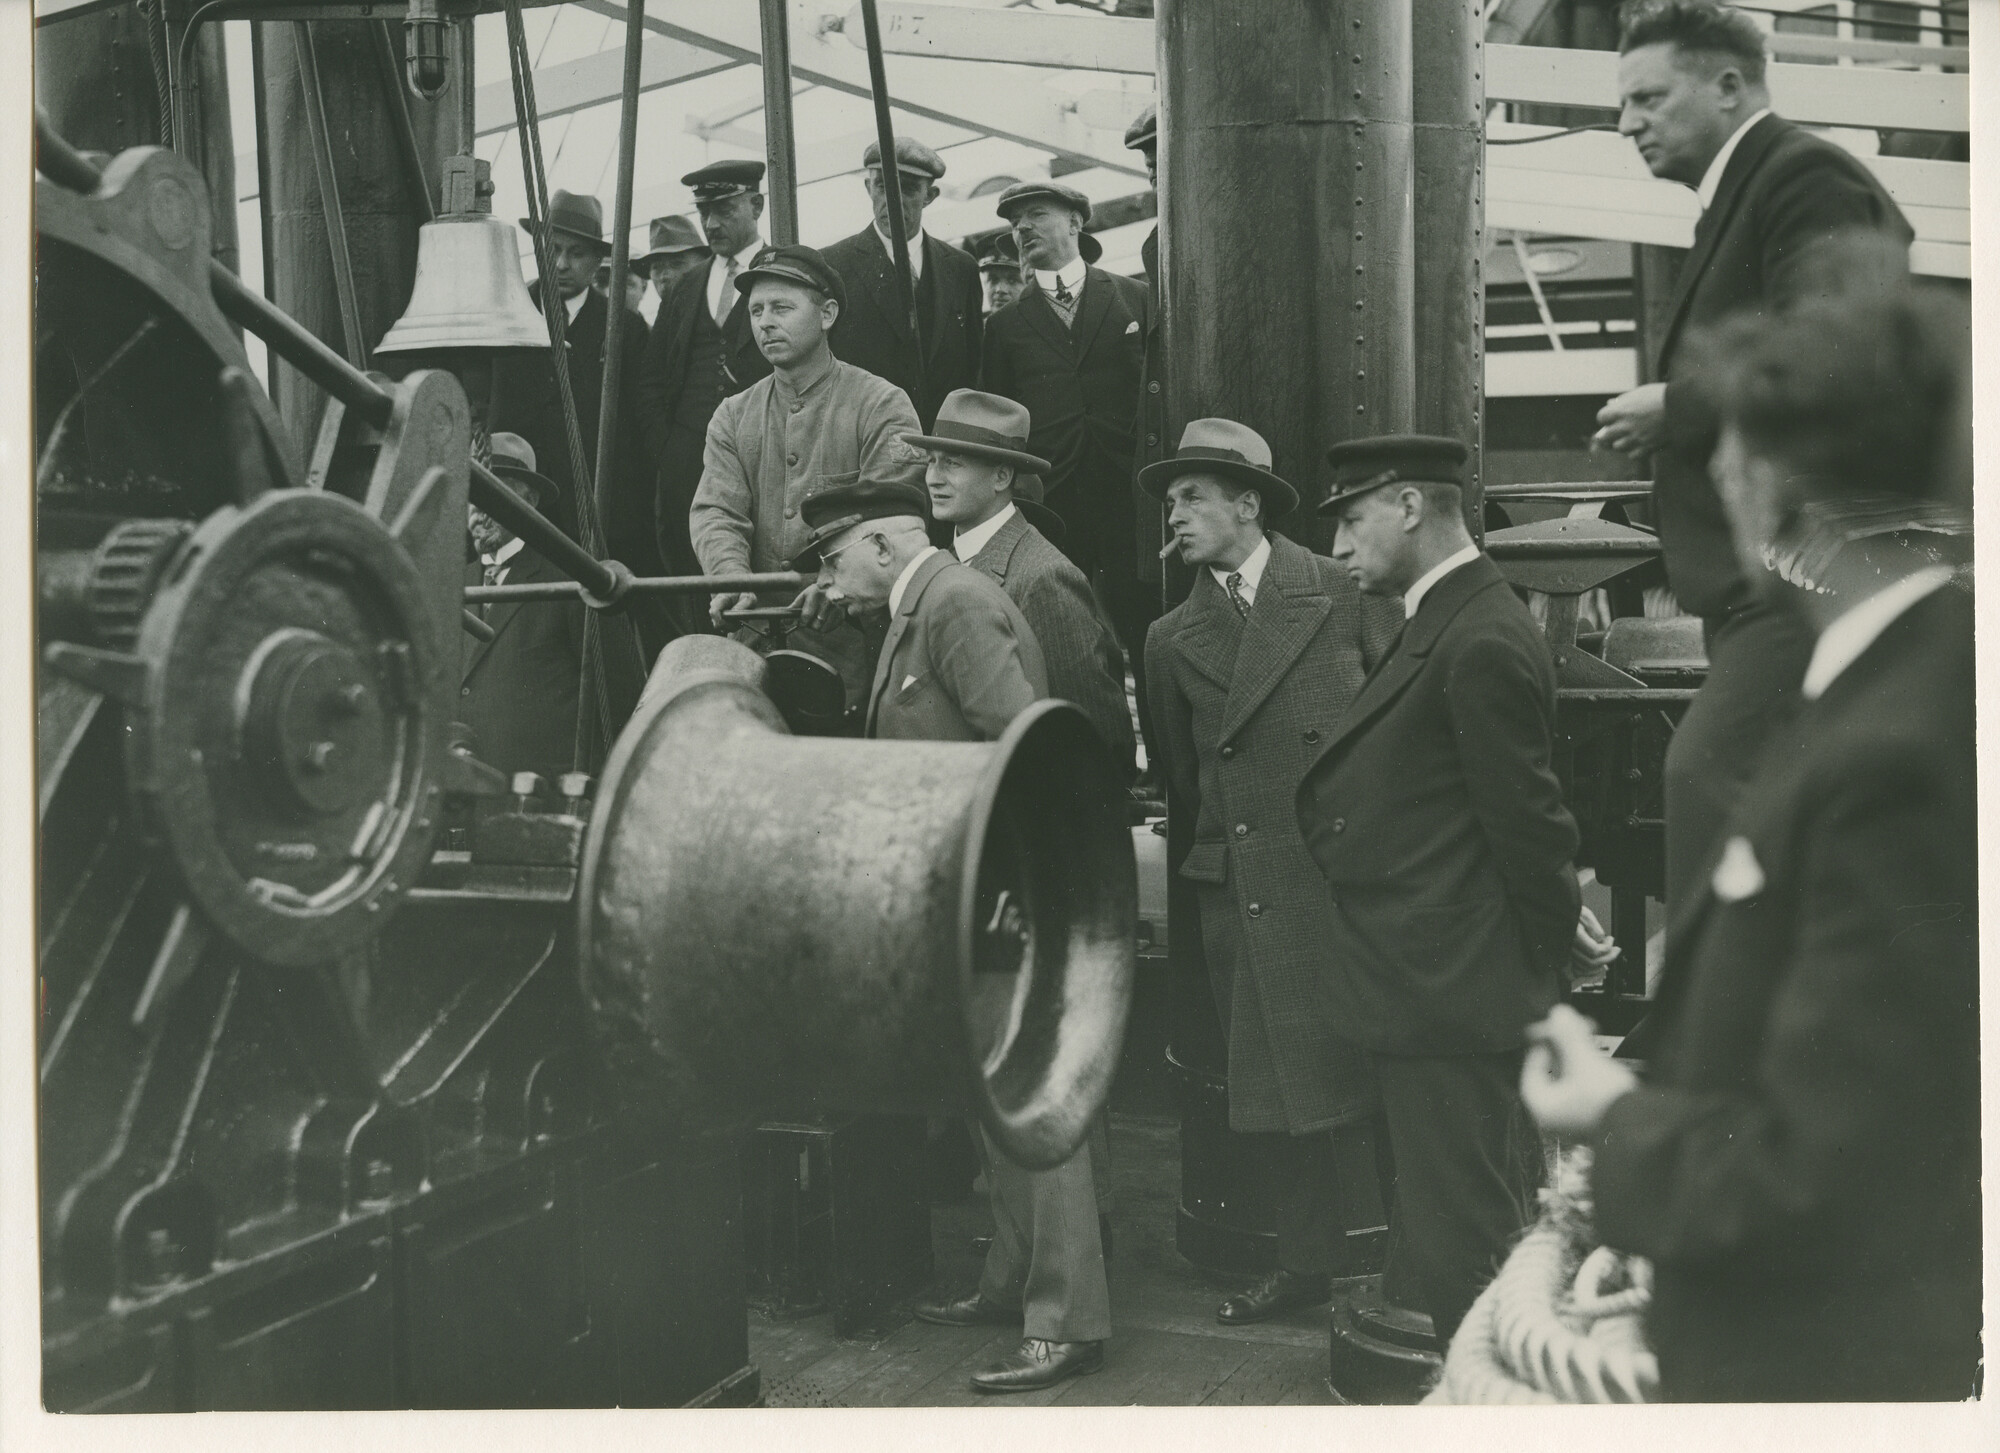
(518, 691)
(1802, 1164)
(1694, 101)
(1440, 831)
(1248, 676)
(874, 328)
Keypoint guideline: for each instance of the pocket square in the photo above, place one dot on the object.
(1738, 875)
(1133, 326)
(908, 682)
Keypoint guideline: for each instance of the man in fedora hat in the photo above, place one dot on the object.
(530, 401)
(518, 690)
(1247, 676)
(1440, 831)
(701, 351)
(978, 460)
(1069, 351)
(813, 423)
(874, 328)
(673, 247)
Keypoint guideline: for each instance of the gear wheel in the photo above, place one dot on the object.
(124, 573)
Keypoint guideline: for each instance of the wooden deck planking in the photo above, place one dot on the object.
(1274, 1376)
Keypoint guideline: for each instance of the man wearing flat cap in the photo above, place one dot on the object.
(811, 424)
(1070, 351)
(874, 328)
(1248, 675)
(529, 402)
(1440, 831)
(700, 352)
(960, 662)
(978, 464)
(673, 247)
(518, 689)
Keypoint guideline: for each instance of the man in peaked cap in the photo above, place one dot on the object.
(700, 352)
(814, 422)
(673, 248)
(1247, 675)
(529, 402)
(518, 690)
(874, 329)
(1000, 265)
(1069, 350)
(1440, 764)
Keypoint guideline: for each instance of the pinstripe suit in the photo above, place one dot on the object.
(1084, 662)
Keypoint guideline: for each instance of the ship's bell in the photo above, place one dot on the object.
(468, 292)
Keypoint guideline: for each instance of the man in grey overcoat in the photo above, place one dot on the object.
(1247, 678)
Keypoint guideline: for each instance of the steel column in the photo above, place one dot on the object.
(781, 183)
(1287, 249)
(1448, 106)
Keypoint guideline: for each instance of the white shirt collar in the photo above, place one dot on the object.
(1841, 644)
(505, 553)
(967, 543)
(1252, 570)
(1414, 596)
(1712, 178)
(573, 306)
(916, 250)
(1070, 272)
(903, 580)
(718, 266)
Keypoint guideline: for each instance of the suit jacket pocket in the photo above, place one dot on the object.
(1207, 863)
(912, 687)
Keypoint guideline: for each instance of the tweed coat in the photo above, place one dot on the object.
(1239, 708)
(959, 663)
(1783, 190)
(1803, 1164)
(1084, 662)
(872, 331)
(1080, 386)
(1440, 828)
(518, 691)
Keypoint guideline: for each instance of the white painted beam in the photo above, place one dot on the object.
(580, 84)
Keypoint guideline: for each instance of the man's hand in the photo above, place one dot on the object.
(1634, 423)
(717, 604)
(1592, 951)
(1568, 1082)
(818, 607)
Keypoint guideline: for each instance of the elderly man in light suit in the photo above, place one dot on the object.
(959, 663)
(1248, 677)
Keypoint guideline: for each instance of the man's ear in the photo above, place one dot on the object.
(829, 312)
(932, 194)
(756, 204)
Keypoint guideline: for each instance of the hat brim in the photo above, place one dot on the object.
(1340, 494)
(646, 259)
(993, 452)
(1279, 498)
(751, 276)
(528, 227)
(544, 488)
(1009, 208)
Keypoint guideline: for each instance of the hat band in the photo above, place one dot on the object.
(973, 434)
(1228, 456)
(833, 527)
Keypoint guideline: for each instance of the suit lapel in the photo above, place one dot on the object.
(899, 626)
(501, 614)
(1204, 640)
(1743, 162)
(999, 551)
(1097, 287)
(1290, 607)
(880, 282)
(1042, 317)
(934, 324)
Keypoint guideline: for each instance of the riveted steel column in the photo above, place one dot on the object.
(380, 204)
(1287, 237)
(1448, 105)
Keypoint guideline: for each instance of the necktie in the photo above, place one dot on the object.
(1236, 597)
(728, 296)
(493, 571)
(1063, 294)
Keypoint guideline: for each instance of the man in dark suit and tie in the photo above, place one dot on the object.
(873, 331)
(1440, 829)
(1693, 100)
(1143, 136)
(1802, 1166)
(978, 458)
(701, 351)
(959, 663)
(1248, 676)
(1070, 351)
(518, 691)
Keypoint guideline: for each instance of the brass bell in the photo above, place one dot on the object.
(469, 292)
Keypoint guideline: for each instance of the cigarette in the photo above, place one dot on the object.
(1171, 546)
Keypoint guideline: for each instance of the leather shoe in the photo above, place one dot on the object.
(1280, 1292)
(967, 1311)
(1037, 1364)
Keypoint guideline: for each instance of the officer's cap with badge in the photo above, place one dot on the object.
(721, 180)
(833, 512)
(1361, 466)
(794, 263)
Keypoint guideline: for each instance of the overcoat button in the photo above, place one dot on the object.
(1228, 752)
(1340, 824)
(1243, 829)
(791, 459)
(1256, 910)
(465, 691)
(1153, 386)
(1152, 438)
(1312, 735)
(791, 512)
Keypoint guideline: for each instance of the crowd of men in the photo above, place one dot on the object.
(1381, 852)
